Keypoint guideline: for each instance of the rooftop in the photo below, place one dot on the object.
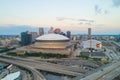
(52, 37)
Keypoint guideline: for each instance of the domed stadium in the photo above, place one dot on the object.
(52, 41)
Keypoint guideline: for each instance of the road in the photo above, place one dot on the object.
(36, 74)
(111, 75)
(112, 55)
(43, 66)
(108, 72)
(115, 43)
(104, 73)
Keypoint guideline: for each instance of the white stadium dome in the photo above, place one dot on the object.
(52, 41)
(52, 37)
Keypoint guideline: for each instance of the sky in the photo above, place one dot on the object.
(102, 16)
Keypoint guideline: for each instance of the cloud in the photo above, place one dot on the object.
(100, 26)
(106, 11)
(64, 18)
(86, 21)
(116, 3)
(78, 21)
(73, 19)
(91, 21)
(98, 10)
(82, 20)
(88, 24)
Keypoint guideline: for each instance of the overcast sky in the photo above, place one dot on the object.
(103, 16)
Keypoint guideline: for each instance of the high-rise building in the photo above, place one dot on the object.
(41, 31)
(68, 34)
(89, 33)
(51, 30)
(34, 36)
(26, 38)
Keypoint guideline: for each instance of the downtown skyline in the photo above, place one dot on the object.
(74, 15)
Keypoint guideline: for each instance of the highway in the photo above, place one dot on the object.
(104, 73)
(43, 66)
(116, 46)
(112, 55)
(115, 43)
(108, 72)
(36, 74)
(107, 54)
(111, 75)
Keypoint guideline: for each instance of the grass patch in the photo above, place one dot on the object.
(83, 56)
(6, 49)
(96, 59)
(40, 54)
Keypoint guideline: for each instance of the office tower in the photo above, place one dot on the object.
(68, 34)
(41, 31)
(89, 33)
(34, 36)
(51, 30)
(26, 38)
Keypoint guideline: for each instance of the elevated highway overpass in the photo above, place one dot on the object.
(106, 73)
(36, 75)
(43, 66)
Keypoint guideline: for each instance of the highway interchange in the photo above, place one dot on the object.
(35, 73)
(108, 72)
(34, 66)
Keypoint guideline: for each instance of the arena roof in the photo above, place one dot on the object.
(52, 37)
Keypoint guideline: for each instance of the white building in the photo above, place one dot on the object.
(92, 44)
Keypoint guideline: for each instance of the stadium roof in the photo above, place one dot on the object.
(52, 37)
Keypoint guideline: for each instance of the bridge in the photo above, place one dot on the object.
(108, 72)
(49, 67)
(36, 75)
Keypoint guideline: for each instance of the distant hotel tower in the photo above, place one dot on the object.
(26, 38)
(68, 34)
(89, 33)
(41, 31)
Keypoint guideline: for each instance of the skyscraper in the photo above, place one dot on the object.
(89, 33)
(41, 31)
(26, 38)
(34, 36)
(51, 30)
(68, 34)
